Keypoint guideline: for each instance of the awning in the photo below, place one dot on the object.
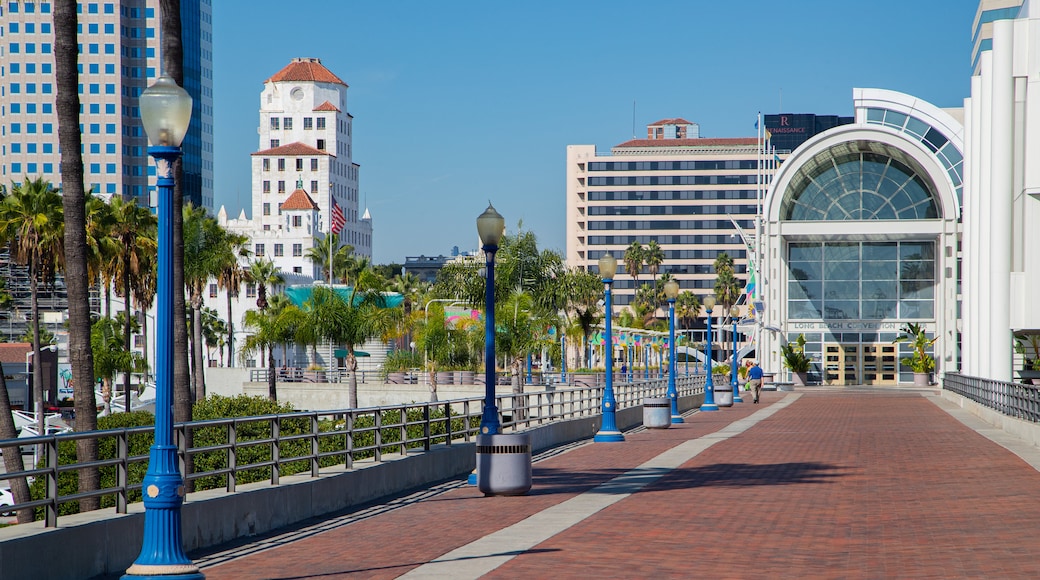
(342, 353)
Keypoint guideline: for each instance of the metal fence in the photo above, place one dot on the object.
(225, 453)
(1012, 399)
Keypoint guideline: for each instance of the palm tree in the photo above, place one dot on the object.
(173, 63)
(727, 287)
(263, 326)
(687, 309)
(432, 338)
(634, 262)
(350, 321)
(111, 357)
(323, 247)
(653, 255)
(134, 231)
(32, 216)
(205, 248)
(230, 276)
(264, 274)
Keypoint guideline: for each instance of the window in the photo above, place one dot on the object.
(314, 164)
(275, 143)
(297, 270)
(308, 123)
(267, 164)
(321, 122)
(321, 144)
(251, 290)
(281, 187)
(267, 209)
(281, 165)
(314, 186)
(299, 164)
(297, 250)
(278, 250)
(258, 251)
(267, 187)
(297, 221)
(274, 122)
(212, 290)
(287, 123)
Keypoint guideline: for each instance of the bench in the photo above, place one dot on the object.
(778, 386)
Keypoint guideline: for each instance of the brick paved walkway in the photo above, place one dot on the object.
(827, 484)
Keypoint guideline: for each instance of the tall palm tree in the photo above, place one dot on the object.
(134, 231)
(634, 262)
(653, 255)
(205, 248)
(230, 276)
(32, 216)
(173, 63)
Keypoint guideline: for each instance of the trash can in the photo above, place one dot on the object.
(504, 464)
(724, 395)
(657, 412)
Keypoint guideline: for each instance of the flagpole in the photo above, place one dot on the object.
(759, 279)
(332, 252)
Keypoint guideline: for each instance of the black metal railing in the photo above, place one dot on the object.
(1012, 399)
(226, 453)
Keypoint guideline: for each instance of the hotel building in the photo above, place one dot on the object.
(119, 57)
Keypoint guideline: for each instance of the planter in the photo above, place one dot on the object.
(1030, 375)
(657, 412)
(922, 379)
(504, 464)
(800, 379)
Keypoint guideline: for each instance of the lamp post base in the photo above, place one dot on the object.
(159, 575)
(709, 407)
(608, 437)
(676, 419)
(736, 396)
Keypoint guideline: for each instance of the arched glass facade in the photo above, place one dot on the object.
(847, 184)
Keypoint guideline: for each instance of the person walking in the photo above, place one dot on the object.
(755, 378)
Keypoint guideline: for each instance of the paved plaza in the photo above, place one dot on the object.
(818, 483)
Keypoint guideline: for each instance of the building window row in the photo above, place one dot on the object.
(675, 180)
(702, 194)
(279, 123)
(672, 210)
(642, 240)
(644, 225)
(736, 254)
(715, 165)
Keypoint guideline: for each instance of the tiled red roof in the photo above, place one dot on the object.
(689, 142)
(299, 200)
(14, 352)
(675, 121)
(326, 106)
(293, 149)
(306, 70)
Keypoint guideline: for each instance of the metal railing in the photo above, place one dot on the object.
(228, 452)
(1012, 399)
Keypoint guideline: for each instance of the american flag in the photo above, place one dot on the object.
(338, 221)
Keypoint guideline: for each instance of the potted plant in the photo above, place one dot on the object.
(1029, 347)
(795, 359)
(920, 362)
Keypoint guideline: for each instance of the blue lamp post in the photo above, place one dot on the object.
(734, 312)
(608, 431)
(709, 386)
(491, 226)
(165, 113)
(671, 291)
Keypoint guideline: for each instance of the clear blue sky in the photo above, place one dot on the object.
(459, 102)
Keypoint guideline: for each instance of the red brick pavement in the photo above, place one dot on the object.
(838, 485)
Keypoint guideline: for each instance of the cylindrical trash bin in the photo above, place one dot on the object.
(504, 464)
(657, 412)
(724, 395)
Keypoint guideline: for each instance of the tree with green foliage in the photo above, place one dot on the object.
(265, 275)
(653, 256)
(110, 357)
(633, 260)
(727, 287)
(326, 246)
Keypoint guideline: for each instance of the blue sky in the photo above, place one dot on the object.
(456, 103)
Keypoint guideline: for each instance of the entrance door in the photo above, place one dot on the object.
(842, 364)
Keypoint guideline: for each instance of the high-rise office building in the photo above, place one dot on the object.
(684, 192)
(119, 57)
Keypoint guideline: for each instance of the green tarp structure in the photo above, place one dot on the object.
(300, 294)
(342, 353)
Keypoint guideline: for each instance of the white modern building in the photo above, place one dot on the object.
(119, 56)
(862, 235)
